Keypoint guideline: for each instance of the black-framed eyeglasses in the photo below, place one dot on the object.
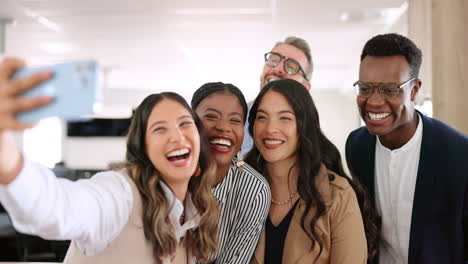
(291, 66)
(386, 90)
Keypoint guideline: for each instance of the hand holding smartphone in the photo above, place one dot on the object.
(75, 87)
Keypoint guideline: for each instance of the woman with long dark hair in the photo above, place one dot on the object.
(316, 214)
(243, 194)
(159, 209)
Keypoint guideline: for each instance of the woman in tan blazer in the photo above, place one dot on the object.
(315, 216)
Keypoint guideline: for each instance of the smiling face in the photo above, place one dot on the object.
(223, 120)
(275, 129)
(172, 141)
(391, 119)
(278, 73)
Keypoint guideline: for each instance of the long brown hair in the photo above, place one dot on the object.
(314, 149)
(201, 242)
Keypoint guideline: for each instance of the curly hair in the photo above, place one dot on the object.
(393, 44)
(314, 149)
(201, 242)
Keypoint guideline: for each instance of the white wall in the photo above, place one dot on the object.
(93, 152)
(338, 117)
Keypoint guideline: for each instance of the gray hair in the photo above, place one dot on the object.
(303, 46)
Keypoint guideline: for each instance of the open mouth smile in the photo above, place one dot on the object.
(272, 143)
(179, 156)
(378, 116)
(221, 144)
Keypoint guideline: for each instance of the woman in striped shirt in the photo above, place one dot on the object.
(243, 194)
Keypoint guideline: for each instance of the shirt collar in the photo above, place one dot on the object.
(408, 145)
(176, 208)
(220, 190)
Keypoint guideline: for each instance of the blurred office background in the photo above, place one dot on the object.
(149, 46)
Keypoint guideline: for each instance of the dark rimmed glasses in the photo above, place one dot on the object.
(291, 66)
(386, 90)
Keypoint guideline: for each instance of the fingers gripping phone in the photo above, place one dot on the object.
(75, 87)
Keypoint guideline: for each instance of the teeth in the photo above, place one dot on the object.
(273, 142)
(378, 116)
(179, 152)
(220, 141)
(273, 78)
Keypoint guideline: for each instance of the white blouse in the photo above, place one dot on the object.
(92, 212)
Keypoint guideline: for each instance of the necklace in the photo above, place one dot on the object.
(283, 202)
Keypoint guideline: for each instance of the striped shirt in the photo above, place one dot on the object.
(244, 198)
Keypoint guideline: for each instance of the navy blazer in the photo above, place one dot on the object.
(439, 223)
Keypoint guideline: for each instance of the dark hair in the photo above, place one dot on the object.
(393, 44)
(202, 242)
(218, 87)
(314, 149)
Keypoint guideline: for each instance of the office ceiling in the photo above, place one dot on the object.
(150, 45)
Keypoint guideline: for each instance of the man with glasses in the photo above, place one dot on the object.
(414, 168)
(289, 59)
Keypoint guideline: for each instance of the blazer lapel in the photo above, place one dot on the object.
(423, 190)
(297, 243)
(368, 170)
(362, 160)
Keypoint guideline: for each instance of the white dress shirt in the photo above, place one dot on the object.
(395, 182)
(92, 212)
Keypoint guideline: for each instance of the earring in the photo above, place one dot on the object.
(240, 161)
(197, 171)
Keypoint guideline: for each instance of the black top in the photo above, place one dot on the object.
(275, 236)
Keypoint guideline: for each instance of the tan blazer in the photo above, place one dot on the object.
(341, 228)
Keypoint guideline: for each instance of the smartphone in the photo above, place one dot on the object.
(75, 86)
